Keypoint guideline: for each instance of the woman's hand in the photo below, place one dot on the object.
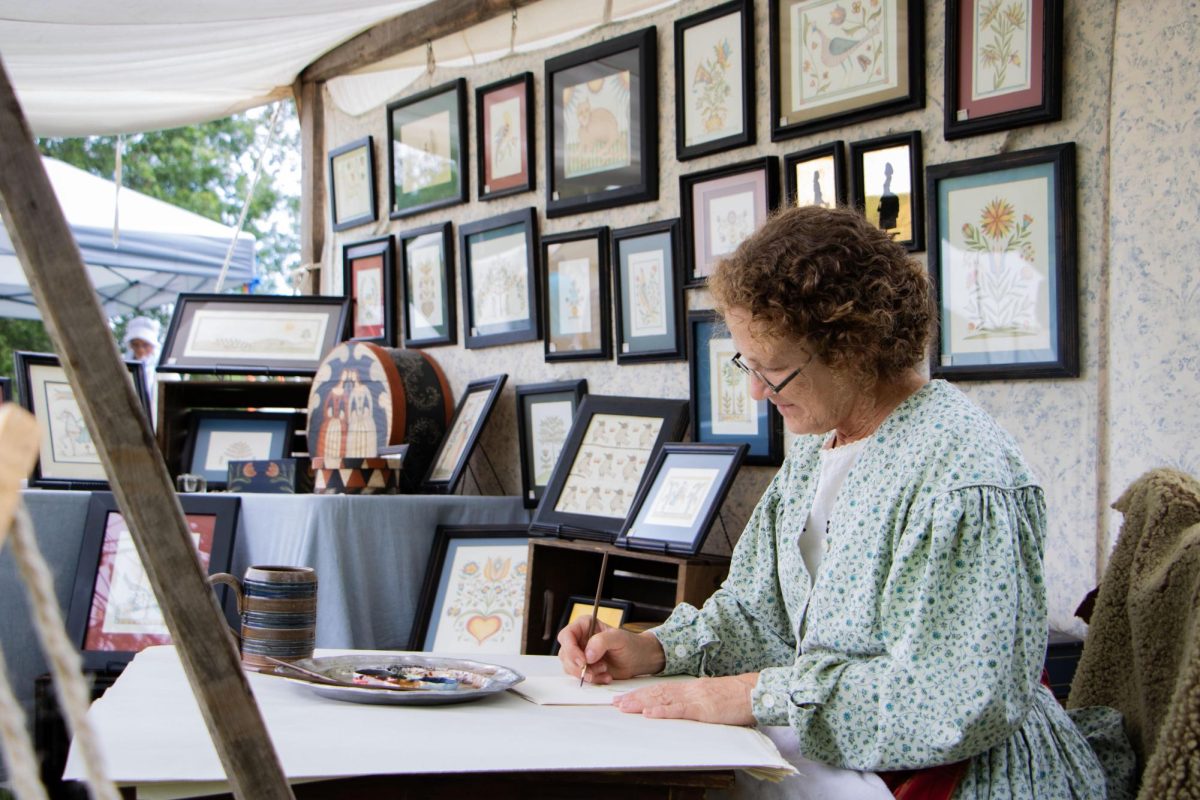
(611, 654)
(721, 700)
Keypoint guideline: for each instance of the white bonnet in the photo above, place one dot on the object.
(142, 328)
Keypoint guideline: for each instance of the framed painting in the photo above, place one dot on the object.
(1003, 65)
(473, 598)
(817, 176)
(714, 80)
(67, 458)
(474, 408)
(253, 334)
(215, 438)
(648, 286)
(367, 270)
(545, 412)
(504, 131)
(500, 280)
(611, 441)
(113, 613)
(723, 410)
(1003, 255)
(721, 207)
(835, 64)
(613, 613)
(602, 125)
(352, 184)
(575, 287)
(683, 492)
(885, 184)
(6, 391)
(427, 150)
(427, 281)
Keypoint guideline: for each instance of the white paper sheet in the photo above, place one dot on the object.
(564, 690)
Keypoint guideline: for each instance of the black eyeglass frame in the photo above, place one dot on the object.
(774, 388)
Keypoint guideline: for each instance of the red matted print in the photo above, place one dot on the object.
(1001, 56)
(369, 311)
(505, 156)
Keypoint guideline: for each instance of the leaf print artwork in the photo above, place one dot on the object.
(1002, 47)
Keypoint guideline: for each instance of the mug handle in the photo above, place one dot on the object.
(232, 582)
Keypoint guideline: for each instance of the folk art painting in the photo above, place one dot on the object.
(275, 335)
(499, 280)
(608, 465)
(713, 74)
(480, 604)
(596, 125)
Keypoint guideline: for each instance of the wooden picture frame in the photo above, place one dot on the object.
(816, 176)
(721, 207)
(499, 259)
(885, 184)
(853, 63)
(430, 317)
(462, 434)
(214, 438)
(648, 287)
(545, 412)
(611, 442)
(575, 288)
(1003, 255)
(1003, 65)
(614, 613)
(504, 137)
(427, 150)
(113, 613)
(602, 125)
(67, 456)
(352, 184)
(367, 270)
(714, 80)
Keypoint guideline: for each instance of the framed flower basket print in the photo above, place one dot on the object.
(367, 270)
(835, 63)
(1003, 254)
(504, 131)
(714, 80)
(474, 408)
(723, 411)
(545, 412)
(352, 184)
(602, 125)
(215, 438)
(885, 184)
(721, 207)
(648, 286)
(500, 280)
(1003, 64)
(817, 176)
(575, 286)
(427, 150)
(427, 282)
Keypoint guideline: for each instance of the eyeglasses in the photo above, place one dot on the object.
(775, 388)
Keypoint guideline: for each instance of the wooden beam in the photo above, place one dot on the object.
(310, 108)
(125, 443)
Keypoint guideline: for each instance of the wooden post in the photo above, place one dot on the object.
(310, 109)
(125, 443)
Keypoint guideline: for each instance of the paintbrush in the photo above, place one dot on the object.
(595, 610)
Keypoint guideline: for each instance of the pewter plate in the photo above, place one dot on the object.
(482, 679)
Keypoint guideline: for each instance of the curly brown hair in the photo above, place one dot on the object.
(831, 278)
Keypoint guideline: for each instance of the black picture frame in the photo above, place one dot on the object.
(870, 160)
(462, 434)
(230, 428)
(368, 268)
(6, 390)
(543, 433)
(720, 207)
(504, 123)
(611, 442)
(67, 457)
(706, 77)
(578, 302)
(826, 164)
(647, 265)
(986, 247)
(581, 605)
(489, 299)
(352, 184)
(573, 185)
(103, 551)
(427, 286)
(427, 145)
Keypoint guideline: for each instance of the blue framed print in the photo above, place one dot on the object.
(499, 259)
(648, 287)
(217, 437)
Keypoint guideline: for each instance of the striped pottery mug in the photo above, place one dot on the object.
(278, 610)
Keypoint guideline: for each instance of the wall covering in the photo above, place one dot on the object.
(1129, 105)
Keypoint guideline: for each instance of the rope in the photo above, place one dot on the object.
(22, 761)
(241, 223)
(118, 170)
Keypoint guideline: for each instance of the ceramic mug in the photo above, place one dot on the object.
(278, 611)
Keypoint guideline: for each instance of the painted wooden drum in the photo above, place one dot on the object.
(356, 475)
(278, 610)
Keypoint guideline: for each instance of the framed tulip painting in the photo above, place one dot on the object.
(714, 80)
(504, 131)
(427, 286)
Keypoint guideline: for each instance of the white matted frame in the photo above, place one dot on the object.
(352, 184)
(545, 412)
(474, 408)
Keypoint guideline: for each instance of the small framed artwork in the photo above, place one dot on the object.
(683, 492)
(835, 64)
(473, 597)
(504, 127)
(253, 334)
(648, 286)
(723, 411)
(367, 269)
(352, 184)
(817, 176)
(1003, 65)
(1003, 254)
(113, 613)
(611, 441)
(575, 288)
(499, 277)
(427, 150)
(6, 392)
(427, 280)
(721, 207)
(602, 125)
(885, 184)
(217, 437)
(474, 408)
(545, 412)
(714, 80)
(67, 457)
(613, 613)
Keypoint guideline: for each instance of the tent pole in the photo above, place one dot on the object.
(310, 108)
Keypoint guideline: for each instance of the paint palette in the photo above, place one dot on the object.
(469, 680)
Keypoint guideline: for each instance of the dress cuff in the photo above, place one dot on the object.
(684, 637)
(778, 697)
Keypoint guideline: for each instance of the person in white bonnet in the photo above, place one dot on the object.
(141, 345)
